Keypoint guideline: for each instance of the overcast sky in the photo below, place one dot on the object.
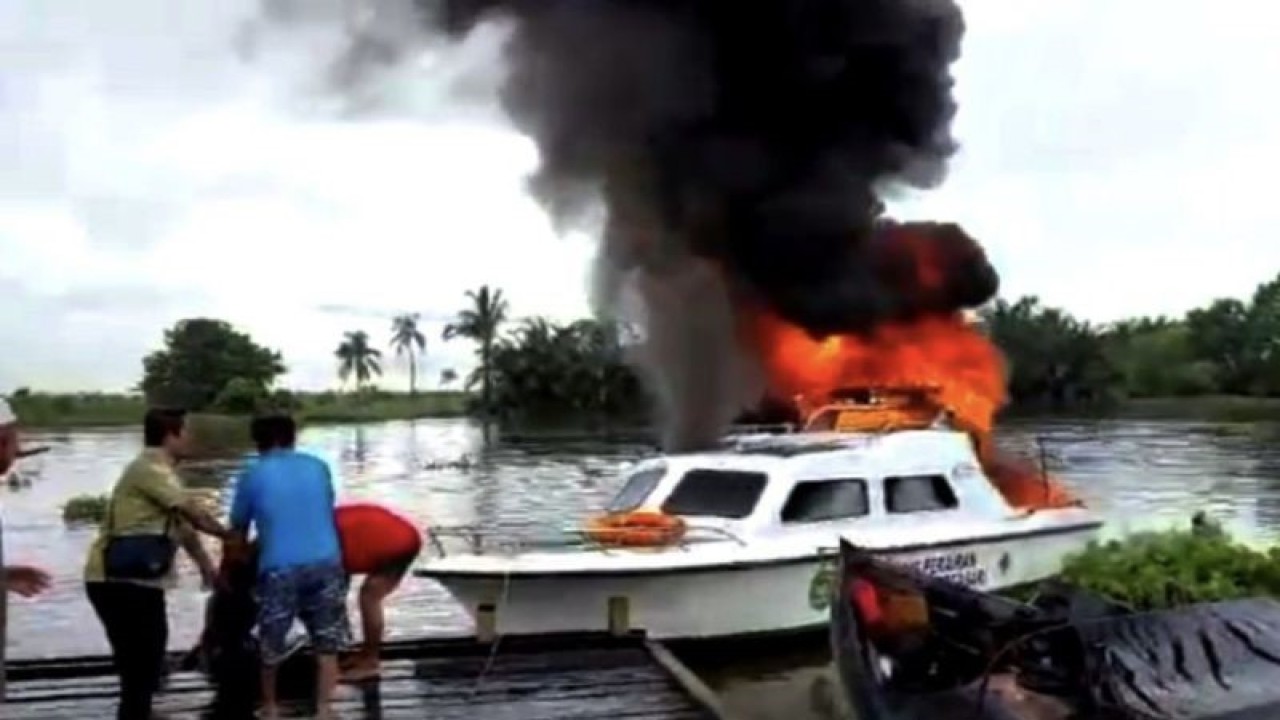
(1117, 158)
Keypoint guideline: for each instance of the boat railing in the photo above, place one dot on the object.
(486, 541)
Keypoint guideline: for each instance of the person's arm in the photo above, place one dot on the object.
(8, 446)
(242, 505)
(162, 488)
(199, 555)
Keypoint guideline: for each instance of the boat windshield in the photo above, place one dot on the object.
(729, 494)
(823, 421)
(636, 490)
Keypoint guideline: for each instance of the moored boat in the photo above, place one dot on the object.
(909, 646)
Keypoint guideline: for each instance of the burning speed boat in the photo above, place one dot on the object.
(737, 541)
(742, 153)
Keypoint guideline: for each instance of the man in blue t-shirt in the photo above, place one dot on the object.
(288, 498)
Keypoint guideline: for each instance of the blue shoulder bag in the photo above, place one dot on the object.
(137, 557)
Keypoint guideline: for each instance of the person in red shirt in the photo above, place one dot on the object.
(376, 543)
(381, 545)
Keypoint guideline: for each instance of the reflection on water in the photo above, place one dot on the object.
(1140, 474)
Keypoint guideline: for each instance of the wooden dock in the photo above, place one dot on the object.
(562, 678)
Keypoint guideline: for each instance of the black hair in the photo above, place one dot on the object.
(160, 424)
(273, 431)
(288, 431)
(261, 432)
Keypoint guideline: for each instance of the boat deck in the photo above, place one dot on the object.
(593, 678)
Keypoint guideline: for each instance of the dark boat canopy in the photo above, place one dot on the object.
(911, 646)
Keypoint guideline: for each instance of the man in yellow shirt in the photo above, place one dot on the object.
(147, 500)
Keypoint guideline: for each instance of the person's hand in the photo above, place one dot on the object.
(27, 581)
(208, 578)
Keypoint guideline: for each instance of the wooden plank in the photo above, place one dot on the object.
(691, 683)
(417, 648)
(606, 682)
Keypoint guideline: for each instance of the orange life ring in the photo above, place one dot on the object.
(641, 528)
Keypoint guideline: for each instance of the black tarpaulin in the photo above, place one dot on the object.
(1215, 661)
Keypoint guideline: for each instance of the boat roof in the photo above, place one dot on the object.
(800, 443)
(769, 450)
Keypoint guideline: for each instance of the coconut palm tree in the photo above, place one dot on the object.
(408, 341)
(481, 323)
(357, 357)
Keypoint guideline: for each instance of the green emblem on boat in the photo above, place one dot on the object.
(820, 586)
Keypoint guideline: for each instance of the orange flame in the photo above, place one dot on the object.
(945, 354)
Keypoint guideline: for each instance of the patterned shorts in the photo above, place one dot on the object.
(316, 595)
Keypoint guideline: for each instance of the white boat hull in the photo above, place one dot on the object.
(735, 600)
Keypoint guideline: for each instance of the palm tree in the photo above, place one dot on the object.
(448, 376)
(480, 323)
(407, 340)
(357, 357)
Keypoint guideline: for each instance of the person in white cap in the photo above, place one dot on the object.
(24, 580)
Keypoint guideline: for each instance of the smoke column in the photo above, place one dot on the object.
(740, 150)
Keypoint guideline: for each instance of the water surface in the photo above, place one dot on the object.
(1139, 474)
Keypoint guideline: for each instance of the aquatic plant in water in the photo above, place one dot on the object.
(85, 509)
(1156, 570)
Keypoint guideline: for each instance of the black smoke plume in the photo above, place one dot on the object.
(741, 149)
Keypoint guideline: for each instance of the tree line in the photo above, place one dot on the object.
(536, 370)
(1227, 347)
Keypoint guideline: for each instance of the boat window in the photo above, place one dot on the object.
(716, 493)
(637, 489)
(918, 493)
(818, 500)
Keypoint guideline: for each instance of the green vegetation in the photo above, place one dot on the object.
(1216, 363)
(481, 323)
(357, 357)
(1219, 362)
(544, 373)
(46, 410)
(1225, 351)
(89, 509)
(1163, 569)
(409, 342)
(85, 509)
(202, 361)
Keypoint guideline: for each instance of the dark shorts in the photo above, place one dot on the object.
(314, 594)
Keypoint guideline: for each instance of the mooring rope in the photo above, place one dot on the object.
(503, 598)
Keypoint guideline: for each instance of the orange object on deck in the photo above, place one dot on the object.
(886, 410)
(641, 528)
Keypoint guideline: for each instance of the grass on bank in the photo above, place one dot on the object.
(48, 410)
(1214, 408)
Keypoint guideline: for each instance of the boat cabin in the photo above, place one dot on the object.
(769, 483)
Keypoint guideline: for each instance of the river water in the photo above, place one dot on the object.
(1139, 474)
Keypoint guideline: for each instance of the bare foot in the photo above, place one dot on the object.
(268, 712)
(361, 670)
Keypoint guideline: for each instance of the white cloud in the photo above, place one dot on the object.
(1116, 159)
(1116, 154)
